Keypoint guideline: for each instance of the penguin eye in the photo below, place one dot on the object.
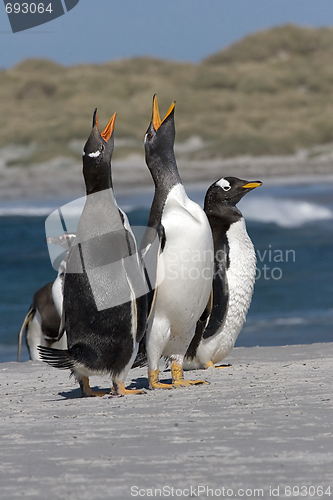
(224, 184)
(149, 136)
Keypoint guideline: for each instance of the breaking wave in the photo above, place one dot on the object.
(284, 212)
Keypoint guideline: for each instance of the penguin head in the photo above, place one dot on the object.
(160, 136)
(97, 153)
(227, 192)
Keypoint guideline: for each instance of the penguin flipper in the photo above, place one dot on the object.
(199, 329)
(141, 357)
(26, 321)
(58, 358)
(220, 303)
(150, 255)
(62, 328)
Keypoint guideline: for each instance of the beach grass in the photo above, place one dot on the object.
(270, 93)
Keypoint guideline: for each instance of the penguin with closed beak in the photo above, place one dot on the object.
(234, 275)
(42, 322)
(105, 301)
(184, 260)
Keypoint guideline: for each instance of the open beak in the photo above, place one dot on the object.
(157, 122)
(252, 185)
(107, 132)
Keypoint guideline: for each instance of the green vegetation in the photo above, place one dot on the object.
(270, 93)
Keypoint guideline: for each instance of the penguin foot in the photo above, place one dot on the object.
(87, 391)
(154, 382)
(210, 364)
(120, 390)
(178, 377)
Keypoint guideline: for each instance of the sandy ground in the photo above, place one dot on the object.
(263, 424)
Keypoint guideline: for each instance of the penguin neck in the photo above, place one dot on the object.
(164, 171)
(165, 175)
(220, 219)
(95, 185)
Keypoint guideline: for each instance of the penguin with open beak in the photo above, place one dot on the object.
(234, 275)
(105, 301)
(184, 272)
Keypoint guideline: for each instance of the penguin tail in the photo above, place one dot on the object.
(140, 361)
(141, 357)
(58, 358)
(25, 323)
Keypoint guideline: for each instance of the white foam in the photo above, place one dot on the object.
(284, 212)
(28, 211)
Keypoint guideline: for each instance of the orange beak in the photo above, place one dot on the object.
(107, 132)
(252, 185)
(157, 122)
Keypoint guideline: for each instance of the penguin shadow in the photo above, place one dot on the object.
(139, 383)
(77, 393)
(142, 382)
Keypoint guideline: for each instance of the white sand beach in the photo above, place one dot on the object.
(262, 425)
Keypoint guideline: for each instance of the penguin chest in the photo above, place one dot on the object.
(186, 263)
(240, 276)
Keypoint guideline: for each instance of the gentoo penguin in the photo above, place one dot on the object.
(42, 321)
(41, 324)
(104, 305)
(65, 241)
(234, 275)
(184, 272)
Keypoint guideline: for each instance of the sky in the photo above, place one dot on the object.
(96, 31)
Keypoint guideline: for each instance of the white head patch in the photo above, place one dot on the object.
(95, 154)
(224, 184)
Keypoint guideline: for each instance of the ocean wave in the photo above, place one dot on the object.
(284, 212)
(25, 211)
(306, 318)
(40, 209)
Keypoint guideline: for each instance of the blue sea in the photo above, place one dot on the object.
(290, 225)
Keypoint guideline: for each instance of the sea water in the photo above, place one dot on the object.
(291, 227)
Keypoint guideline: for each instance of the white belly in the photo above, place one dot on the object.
(35, 336)
(186, 265)
(57, 293)
(241, 278)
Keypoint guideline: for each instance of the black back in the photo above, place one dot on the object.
(99, 264)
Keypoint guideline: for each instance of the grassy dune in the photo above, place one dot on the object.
(270, 93)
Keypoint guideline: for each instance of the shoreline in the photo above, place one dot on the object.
(62, 178)
(264, 422)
